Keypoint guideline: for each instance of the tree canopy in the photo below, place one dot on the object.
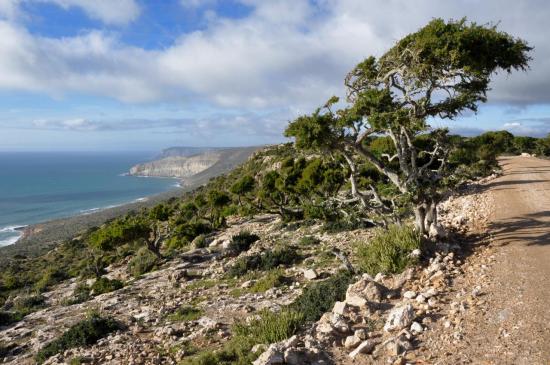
(439, 71)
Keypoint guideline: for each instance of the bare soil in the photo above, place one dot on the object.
(506, 320)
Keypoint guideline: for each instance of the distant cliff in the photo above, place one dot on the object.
(197, 168)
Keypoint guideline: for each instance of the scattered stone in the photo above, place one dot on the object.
(310, 274)
(399, 318)
(409, 294)
(416, 327)
(351, 341)
(364, 348)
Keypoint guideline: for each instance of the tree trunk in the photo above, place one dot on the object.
(420, 218)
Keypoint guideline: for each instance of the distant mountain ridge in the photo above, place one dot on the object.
(194, 165)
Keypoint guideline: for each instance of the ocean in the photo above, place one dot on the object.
(40, 186)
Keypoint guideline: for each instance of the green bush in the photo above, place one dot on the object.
(143, 262)
(320, 297)
(309, 241)
(80, 294)
(199, 241)
(29, 303)
(185, 313)
(50, 277)
(271, 327)
(104, 285)
(389, 251)
(7, 318)
(271, 259)
(271, 279)
(118, 232)
(84, 333)
(242, 241)
(236, 351)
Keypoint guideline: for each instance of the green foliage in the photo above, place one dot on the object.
(49, 278)
(104, 285)
(242, 241)
(7, 318)
(143, 262)
(160, 212)
(185, 313)
(268, 260)
(271, 279)
(236, 351)
(309, 241)
(389, 251)
(271, 327)
(320, 297)
(118, 232)
(84, 333)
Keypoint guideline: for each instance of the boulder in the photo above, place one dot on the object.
(272, 356)
(310, 274)
(399, 318)
(364, 348)
(365, 291)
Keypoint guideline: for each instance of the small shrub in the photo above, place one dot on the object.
(320, 297)
(84, 333)
(81, 294)
(309, 241)
(199, 241)
(7, 318)
(271, 327)
(104, 285)
(342, 225)
(389, 251)
(242, 241)
(236, 351)
(185, 313)
(143, 262)
(50, 277)
(268, 260)
(271, 279)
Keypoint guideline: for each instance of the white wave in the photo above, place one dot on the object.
(11, 240)
(139, 200)
(11, 229)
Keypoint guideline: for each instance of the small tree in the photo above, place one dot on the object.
(439, 71)
(242, 187)
(157, 236)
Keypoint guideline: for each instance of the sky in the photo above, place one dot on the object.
(149, 74)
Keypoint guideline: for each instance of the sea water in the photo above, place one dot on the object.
(40, 186)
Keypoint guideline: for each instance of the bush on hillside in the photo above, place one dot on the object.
(389, 251)
(241, 242)
(84, 333)
(320, 297)
(270, 259)
(104, 285)
(143, 262)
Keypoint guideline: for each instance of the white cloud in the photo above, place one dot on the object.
(117, 12)
(290, 54)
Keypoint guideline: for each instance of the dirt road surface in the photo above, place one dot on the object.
(509, 321)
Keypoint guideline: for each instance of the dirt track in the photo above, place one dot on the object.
(512, 325)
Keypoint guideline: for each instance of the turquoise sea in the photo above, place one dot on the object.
(40, 186)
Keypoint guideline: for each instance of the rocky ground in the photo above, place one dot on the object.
(415, 317)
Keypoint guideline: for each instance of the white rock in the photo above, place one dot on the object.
(399, 317)
(310, 274)
(416, 327)
(420, 298)
(415, 253)
(409, 294)
(272, 356)
(351, 341)
(364, 348)
(339, 308)
(247, 284)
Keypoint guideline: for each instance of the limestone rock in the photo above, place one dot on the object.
(364, 348)
(399, 318)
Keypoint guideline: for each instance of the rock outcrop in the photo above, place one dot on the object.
(197, 168)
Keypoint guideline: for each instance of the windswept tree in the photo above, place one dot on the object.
(437, 72)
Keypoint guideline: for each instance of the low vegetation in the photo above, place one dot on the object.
(389, 252)
(185, 313)
(84, 333)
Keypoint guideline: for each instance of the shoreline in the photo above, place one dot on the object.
(38, 238)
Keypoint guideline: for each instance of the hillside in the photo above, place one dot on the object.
(196, 167)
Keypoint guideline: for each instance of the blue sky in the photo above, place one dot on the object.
(144, 75)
